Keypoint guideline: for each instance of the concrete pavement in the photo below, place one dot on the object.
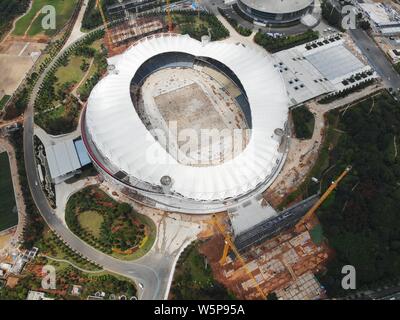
(376, 58)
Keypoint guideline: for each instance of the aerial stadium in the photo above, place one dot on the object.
(145, 122)
(276, 11)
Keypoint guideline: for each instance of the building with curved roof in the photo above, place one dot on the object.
(276, 11)
(119, 138)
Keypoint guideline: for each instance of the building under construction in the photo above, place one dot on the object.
(128, 21)
(132, 28)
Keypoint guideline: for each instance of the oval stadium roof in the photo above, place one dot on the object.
(121, 137)
(278, 6)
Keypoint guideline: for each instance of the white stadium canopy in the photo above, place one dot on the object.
(118, 133)
(278, 6)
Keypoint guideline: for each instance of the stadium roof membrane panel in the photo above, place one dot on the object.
(121, 137)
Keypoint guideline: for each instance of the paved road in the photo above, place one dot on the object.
(377, 58)
(153, 271)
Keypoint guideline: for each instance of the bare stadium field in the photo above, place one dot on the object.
(192, 102)
(178, 99)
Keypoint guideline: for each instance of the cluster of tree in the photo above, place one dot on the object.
(66, 277)
(117, 229)
(334, 16)
(18, 104)
(10, 9)
(55, 247)
(20, 291)
(33, 221)
(92, 17)
(196, 26)
(64, 123)
(101, 63)
(345, 92)
(303, 121)
(362, 222)
(240, 29)
(331, 14)
(273, 44)
(110, 285)
(193, 279)
(85, 51)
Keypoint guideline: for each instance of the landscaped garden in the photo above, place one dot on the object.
(50, 245)
(197, 25)
(273, 44)
(193, 278)
(112, 227)
(58, 104)
(8, 210)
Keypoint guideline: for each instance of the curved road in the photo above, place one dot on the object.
(152, 271)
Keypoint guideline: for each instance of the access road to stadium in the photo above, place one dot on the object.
(377, 58)
(153, 272)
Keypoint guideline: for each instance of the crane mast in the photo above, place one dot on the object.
(326, 194)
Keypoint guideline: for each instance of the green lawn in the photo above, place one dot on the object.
(8, 212)
(91, 221)
(193, 279)
(64, 9)
(3, 101)
(71, 72)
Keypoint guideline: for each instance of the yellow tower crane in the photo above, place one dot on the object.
(310, 213)
(230, 245)
(169, 17)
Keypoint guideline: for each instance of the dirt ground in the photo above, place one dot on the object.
(5, 239)
(285, 264)
(177, 100)
(15, 63)
(301, 157)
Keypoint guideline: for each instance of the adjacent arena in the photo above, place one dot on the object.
(167, 86)
(276, 11)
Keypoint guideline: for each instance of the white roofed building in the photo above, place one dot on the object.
(119, 142)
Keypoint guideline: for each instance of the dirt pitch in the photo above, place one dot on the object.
(15, 63)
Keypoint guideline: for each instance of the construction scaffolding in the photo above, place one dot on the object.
(132, 28)
(125, 26)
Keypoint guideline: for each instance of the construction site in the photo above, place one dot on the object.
(283, 260)
(285, 264)
(195, 101)
(124, 26)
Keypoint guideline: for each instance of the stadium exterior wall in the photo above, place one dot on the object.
(156, 198)
(281, 18)
(110, 122)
